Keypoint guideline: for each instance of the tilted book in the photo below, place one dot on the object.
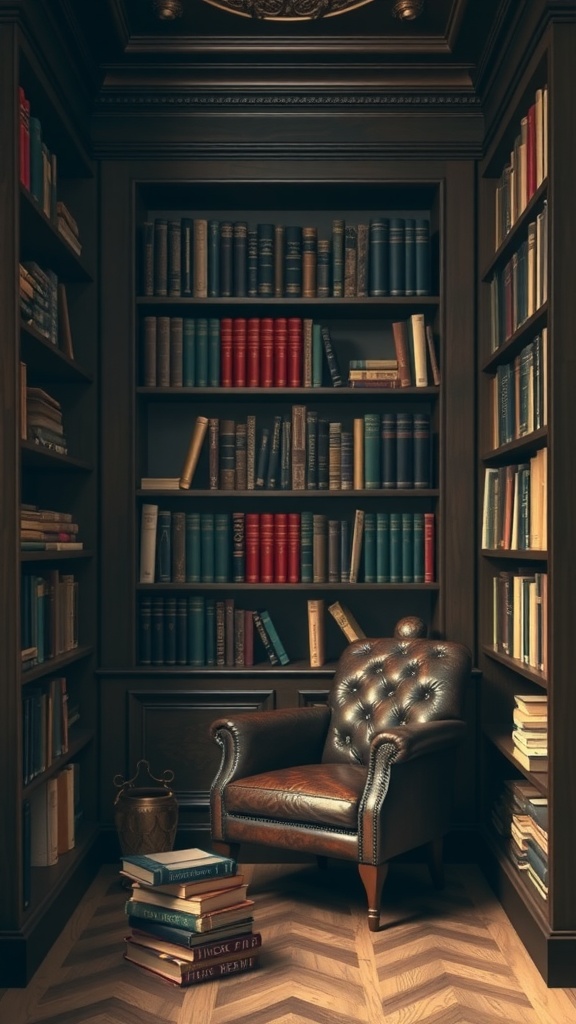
(177, 866)
(346, 621)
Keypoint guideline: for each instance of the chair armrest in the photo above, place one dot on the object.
(259, 741)
(410, 741)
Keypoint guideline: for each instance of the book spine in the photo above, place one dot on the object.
(397, 257)
(163, 352)
(147, 259)
(178, 547)
(266, 352)
(253, 352)
(350, 260)
(378, 256)
(238, 548)
(280, 352)
(226, 259)
(214, 453)
(164, 546)
(334, 456)
(193, 453)
(311, 449)
(160, 256)
(240, 457)
(227, 442)
(207, 547)
(148, 533)
(337, 258)
(188, 352)
(229, 653)
(346, 460)
(275, 640)
(176, 351)
(250, 452)
(252, 545)
(319, 548)
(274, 459)
(266, 547)
(335, 375)
(285, 453)
(213, 245)
(280, 547)
(422, 452)
(309, 250)
(334, 551)
(213, 352)
(323, 454)
(240, 261)
(298, 447)
(252, 263)
(400, 336)
(306, 546)
(226, 358)
(323, 268)
(407, 543)
(317, 350)
(200, 258)
(429, 547)
(202, 352)
(266, 641)
(186, 241)
(196, 630)
(239, 352)
(265, 260)
(293, 260)
(220, 630)
(410, 256)
(174, 258)
(262, 459)
(372, 457)
(169, 630)
(193, 558)
(405, 449)
(316, 632)
(370, 547)
(422, 257)
(279, 264)
(295, 352)
(222, 547)
(418, 547)
(144, 633)
(157, 623)
(382, 547)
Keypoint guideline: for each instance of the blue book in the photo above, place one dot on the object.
(422, 246)
(196, 630)
(274, 638)
(383, 547)
(252, 263)
(207, 546)
(190, 865)
(306, 544)
(164, 547)
(157, 630)
(378, 256)
(201, 353)
(397, 257)
(213, 352)
(410, 256)
(181, 631)
(293, 260)
(213, 258)
(188, 352)
(192, 546)
(372, 468)
(418, 547)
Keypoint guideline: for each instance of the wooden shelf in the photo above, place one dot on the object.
(273, 394)
(525, 671)
(47, 362)
(503, 741)
(79, 738)
(42, 458)
(517, 448)
(57, 664)
(41, 241)
(284, 587)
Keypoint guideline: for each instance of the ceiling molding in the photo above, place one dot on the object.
(124, 149)
(184, 100)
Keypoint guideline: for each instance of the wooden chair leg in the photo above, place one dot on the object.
(373, 877)
(226, 849)
(434, 851)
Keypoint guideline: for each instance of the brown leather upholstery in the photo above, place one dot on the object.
(365, 778)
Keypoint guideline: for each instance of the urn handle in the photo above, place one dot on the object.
(143, 777)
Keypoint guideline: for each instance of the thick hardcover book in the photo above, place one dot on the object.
(345, 550)
(350, 260)
(226, 259)
(410, 256)
(323, 454)
(401, 346)
(174, 970)
(423, 262)
(200, 258)
(200, 923)
(395, 547)
(164, 547)
(240, 456)
(187, 245)
(346, 460)
(157, 630)
(196, 630)
(266, 547)
(201, 352)
(370, 547)
(207, 546)
(240, 260)
(182, 937)
(252, 263)
(144, 631)
(169, 630)
(226, 358)
(419, 349)
(319, 548)
(405, 449)
(275, 640)
(176, 351)
(407, 530)
(210, 631)
(147, 264)
(435, 369)
(239, 352)
(309, 256)
(213, 258)
(338, 258)
(280, 547)
(323, 254)
(357, 540)
(193, 454)
(306, 546)
(316, 632)
(148, 532)
(334, 551)
(311, 449)
(273, 468)
(397, 257)
(214, 453)
(222, 547)
(181, 631)
(429, 547)
(334, 456)
(227, 441)
(265, 639)
(293, 547)
(378, 256)
(220, 632)
(295, 351)
(229, 650)
(174, 258)
(388, 449)
(298, 447)
(422, 452)
(253, 352)
(188, 352)
(285, 453)
(331, 359)
(348, 624)
(418, 547)
(248, 638)
(189, 865)
(178, 547)
(279, 252)
(200, 951)
(372, 442)
(266, 352)
(293, 260)
(265, 260)
(160, 256)
(317, 357)
(262, 459)
(362, 260)
(383, 547)
(250, 451)
(213, 352)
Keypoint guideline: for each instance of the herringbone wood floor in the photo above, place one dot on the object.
(447, 957)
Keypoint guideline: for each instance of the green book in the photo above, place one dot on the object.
(372, 451)
(370, 547)
(196, 631)
(383, 547)
(213, 352)
(207, 546)
(222, 547)
(188, 352)
(192, 544)
(201, 353)
(274, 638)
(395, 547)
(317, 356)
(164, 547)
(407, 529)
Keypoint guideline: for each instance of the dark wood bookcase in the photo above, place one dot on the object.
(546, 925)
(165, 710)
(35, 902)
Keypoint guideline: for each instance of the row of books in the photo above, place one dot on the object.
(266, 352)
(38, 291)
(191, 919)
(520, 287)
(526, 168)
(303, 450)
(200, 631)
(530, 731)
(43, 529)
(49, 615)
(285, 547)
(520, 816)
(52, 815)
(520, 389)
(514, 515)
(45, 728)
(209, 258)
(520, 616)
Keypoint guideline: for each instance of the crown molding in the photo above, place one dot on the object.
(138, 149)
(182, 100)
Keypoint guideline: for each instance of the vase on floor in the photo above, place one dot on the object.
(145, 812)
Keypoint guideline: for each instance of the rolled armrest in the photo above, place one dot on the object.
(259, 741)
(410, 741)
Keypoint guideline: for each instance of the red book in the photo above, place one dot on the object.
(429, 547)
(253, 352)
(293, 547)
(239, 351)
(280, 547)
(280, 351)
(266, 352)
(226, 352)
(248, 639)
(295, 351)
(266, 547)
(252, 546)
(531, 152)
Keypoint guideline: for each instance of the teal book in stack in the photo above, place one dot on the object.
(190, 916)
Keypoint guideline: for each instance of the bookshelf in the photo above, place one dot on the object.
(525, 455)
(156, 703)
(48, 595)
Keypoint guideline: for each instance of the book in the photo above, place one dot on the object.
(177, 866)
(193, 452)
(199, 951)
(64, 330)
(357, 538)
(148, 532)
(316, 632)
(196, 903)
(180, 972)
(532, 704)
(200, 923)
(44, 824)
(186, 938)
(345, 619)
(275, 640)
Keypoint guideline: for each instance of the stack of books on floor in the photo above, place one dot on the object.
(530, 732)
(190, 918)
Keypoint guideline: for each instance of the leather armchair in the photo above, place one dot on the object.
(365, 778)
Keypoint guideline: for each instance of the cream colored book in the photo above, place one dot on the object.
(346, 621)
(316, 632)
(148, 531)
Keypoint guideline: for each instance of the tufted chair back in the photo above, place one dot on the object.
(386, 683)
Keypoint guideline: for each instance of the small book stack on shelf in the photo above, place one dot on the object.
(520, 816)
(42, 422)
(44, 529)
(530, 733)
(190, 918)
